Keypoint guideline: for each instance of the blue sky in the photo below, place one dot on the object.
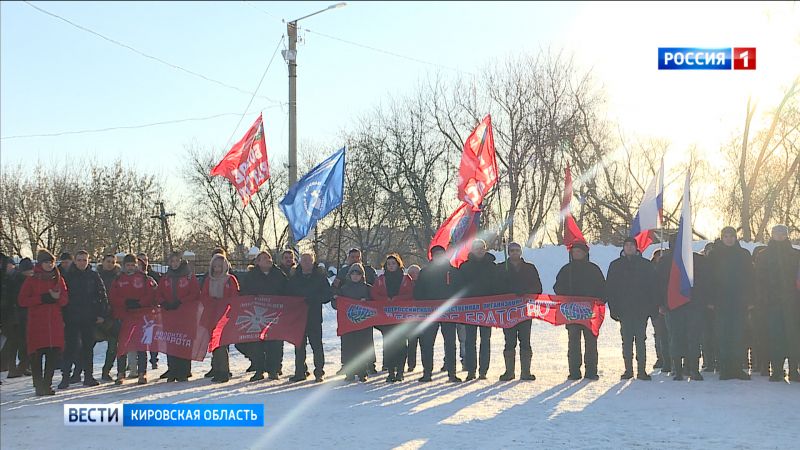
(54, 77)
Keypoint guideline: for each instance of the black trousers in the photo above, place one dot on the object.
(15, 347)
(685, 332)
(471, 356)
(449, 334)
(78, 348)
(661, 336)
(178, 367)
(710, 339)
(43, 375)
(266, 356)
(634, 331)
(574, 356)
(730, 334)
(358, 350)
(414, 340)
(220, 362)
(520, 332)
(395, 347)
(427, 339)
(312, 337)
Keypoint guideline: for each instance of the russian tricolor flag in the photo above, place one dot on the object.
(681, 274)
(650, 211)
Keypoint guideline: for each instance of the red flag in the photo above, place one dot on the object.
(478, 170)
(253, 318)
(180, 333)
(572, 234)
(457, 233)
(246, 165)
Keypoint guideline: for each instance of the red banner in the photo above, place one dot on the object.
(501, 311)
(180, 333)
(246, 165)
(567, 310)
(253, 318)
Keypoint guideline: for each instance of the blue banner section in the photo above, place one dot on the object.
(209, 415)
(693, 58)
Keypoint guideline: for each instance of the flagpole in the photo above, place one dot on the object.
(339, 245)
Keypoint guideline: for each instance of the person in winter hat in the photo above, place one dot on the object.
(177, 291)
(219, 286)
(44, 294)
(580, 277)
(778, 273)
(522, 278)
(357, 346)
(631, 299)
(14, 320)
(132, 293)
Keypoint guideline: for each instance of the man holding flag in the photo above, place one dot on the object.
(676, 284)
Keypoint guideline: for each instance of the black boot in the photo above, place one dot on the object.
(628, 374)
(642, 371)
(525, 357)
(510, 357)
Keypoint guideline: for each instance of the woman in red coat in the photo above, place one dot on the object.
(44, 294)
(178, 287)
(218, 286)
(394, 285)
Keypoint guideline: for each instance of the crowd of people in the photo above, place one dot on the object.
(743, 317)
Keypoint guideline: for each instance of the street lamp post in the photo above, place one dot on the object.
(291, 58)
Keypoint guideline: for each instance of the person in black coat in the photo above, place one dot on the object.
(88, 306)
(478, 276)
(265, 278)
(580, 277)
(521, 278)
(310, 282)
(354, 256)
(631, 300)
(777, 272)
(436, 282)
(14, 319)
(730, 292)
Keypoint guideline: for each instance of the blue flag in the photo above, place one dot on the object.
(319, 192)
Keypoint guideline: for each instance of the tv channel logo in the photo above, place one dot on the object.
(696, 58)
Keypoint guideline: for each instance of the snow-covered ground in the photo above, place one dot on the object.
(550, 412)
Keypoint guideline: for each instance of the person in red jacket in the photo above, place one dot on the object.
(178, 287)
(393, 285)
(131, 292)
(218, 286)
(44, 294)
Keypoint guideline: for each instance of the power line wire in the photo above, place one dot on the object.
(250, 4)
(368, 47)
(263, 75)
(125, 127)
(390, 53)
(143, 54)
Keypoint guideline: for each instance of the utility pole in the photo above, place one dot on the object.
(290, 56)
(291, 59)
(166, 238)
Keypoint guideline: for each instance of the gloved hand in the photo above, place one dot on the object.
(132, 303)
(171, 306)
(48, 299)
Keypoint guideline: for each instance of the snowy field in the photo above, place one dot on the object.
(550, 412)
